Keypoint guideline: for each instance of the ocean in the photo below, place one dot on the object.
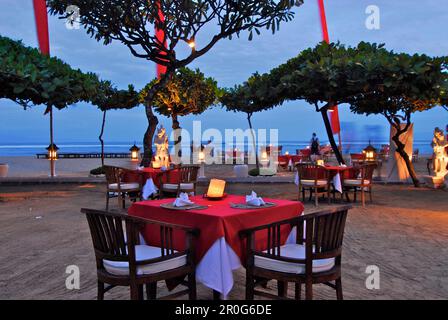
(31, 149)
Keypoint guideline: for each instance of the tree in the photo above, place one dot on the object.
(411, 83)
(131, 23)
(187, 92)
(109, 98)
(252, 96)
(328, 75)
(30, 78)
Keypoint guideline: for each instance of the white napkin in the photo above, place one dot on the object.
(254, 200)
(182, 200)
(163, 168)
(343, 166)
(148, 189)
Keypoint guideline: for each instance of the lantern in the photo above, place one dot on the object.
(216, 189)
(52, 152)
(369, 153)
(135, 152)
(286, 153)
(201, 156)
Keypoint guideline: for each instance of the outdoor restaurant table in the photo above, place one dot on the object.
(219, 248)
(335, 175)
(149, 178)
(288, 160)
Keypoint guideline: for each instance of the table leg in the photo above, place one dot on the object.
(216, 295)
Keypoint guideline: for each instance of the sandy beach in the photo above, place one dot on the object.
(404, 232)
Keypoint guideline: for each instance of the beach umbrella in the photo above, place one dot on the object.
(334, 113)
(40, 14)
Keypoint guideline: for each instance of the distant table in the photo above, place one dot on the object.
(150, 179)
(219, 249)
(335, 175)
(288, 160)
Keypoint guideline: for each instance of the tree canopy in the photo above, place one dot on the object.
(28, 77)
(187, 92)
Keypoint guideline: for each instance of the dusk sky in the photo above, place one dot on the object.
(405, 26)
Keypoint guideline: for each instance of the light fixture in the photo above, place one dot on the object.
(52, 152)
(191, 43)
(286, 153)
(216, 189)
(320, 162)
(369, 153)
(201, 156)
(135, 152)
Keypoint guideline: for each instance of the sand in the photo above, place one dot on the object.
(404, 232)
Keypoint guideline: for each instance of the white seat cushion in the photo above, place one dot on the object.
(311, 182)
(173, 186)
(124, 186)
(296, 251)
(355, 182)
(144, 252)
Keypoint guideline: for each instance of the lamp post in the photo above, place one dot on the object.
(135, 153)
(52, 150)
(201, 158)
(369, 153)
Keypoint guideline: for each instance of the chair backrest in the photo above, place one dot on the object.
(112, 174)
(322, 232)
(366, 171)
(308, 171)
(357, 156)
(277, 149)
(108, 235)
(188, 174)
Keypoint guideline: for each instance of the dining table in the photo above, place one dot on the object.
(335, 174)
(219, 248)
(288, 160)
(150, 179)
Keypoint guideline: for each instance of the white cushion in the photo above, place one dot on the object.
(355, 182)
(296, 251)
(173, 186)
(144, 252)
(311, 182)
(124, 186)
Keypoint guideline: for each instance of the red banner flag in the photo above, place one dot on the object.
(40, 14)
(334, 114)
(160, 36)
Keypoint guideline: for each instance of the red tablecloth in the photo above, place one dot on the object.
(346, 172)
(146, 173)
(219, 220)
(284, 159)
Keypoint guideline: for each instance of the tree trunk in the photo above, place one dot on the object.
(333, 144)
(152, 119)
(149, 134)
(101, 137)
(257, 164)
(177, 136)
(400, 150)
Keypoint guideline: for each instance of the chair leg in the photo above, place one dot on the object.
(134, 292)
(192, 286)
(140, 292)
(100, 295)
(107, 200)
(151, 291)
(282, 287)
(339, 294)
(298, 290)
(309, 290)
(370, 194)
(363, 197)
(249, 285)
(316, 198)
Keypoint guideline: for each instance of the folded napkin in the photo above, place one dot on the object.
(254, 200)
(182, 200)
(163, 168)
(148, 189)
(343, 165)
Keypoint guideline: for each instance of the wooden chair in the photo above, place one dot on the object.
(121, 259)
(117, 188)
(357, 158)
(186, 182)
(363, 181)
(313, 257)
(314, 178)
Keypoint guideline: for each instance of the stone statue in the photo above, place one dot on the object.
(440, 156)
(161, 159)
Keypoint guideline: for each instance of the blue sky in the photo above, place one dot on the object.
(407, 26)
